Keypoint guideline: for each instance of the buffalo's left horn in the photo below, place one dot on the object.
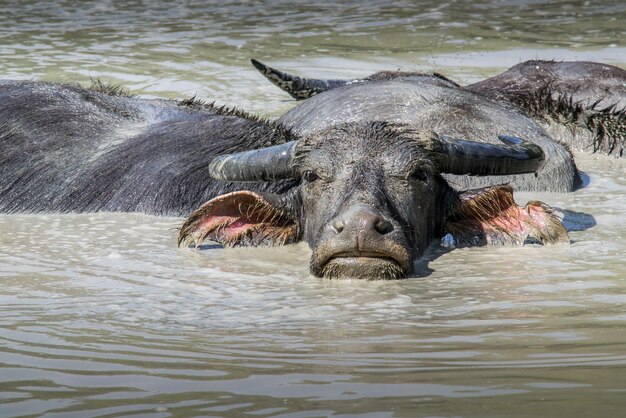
(263, 164)
(514, 156)
(299, 88)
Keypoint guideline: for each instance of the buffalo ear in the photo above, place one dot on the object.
(490, 216)
(242, 218)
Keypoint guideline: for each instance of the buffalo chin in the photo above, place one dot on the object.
(362, 267)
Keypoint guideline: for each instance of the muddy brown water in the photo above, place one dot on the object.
(101, 315)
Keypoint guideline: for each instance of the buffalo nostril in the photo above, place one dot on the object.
(383, 226)
(338, 226)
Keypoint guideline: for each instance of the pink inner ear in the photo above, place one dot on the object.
(238, 218)
(237, 224)
(228, 227)
(493, 217)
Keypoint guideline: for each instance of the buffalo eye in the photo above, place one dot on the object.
(420, 175)
(310, 176)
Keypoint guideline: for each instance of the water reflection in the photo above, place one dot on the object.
(183, 48)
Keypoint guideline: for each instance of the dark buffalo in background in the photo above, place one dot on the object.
(578, 103)
(368, 172)
(70, 149)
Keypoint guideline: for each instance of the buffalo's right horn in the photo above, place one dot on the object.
(299, 88)
(514, 156)
(263, 164)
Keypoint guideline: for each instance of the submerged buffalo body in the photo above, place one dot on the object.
(368, 172)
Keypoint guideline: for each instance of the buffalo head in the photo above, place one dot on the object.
(369, 200)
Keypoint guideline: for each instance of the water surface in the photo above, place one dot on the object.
(101, 315)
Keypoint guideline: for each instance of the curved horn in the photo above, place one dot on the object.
(299, 88)
(263, 164)
(515, 156)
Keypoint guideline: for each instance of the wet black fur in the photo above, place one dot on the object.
(65, 148)
(607, 124)
(587, 99)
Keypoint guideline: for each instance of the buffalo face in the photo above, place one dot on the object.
(369, 198)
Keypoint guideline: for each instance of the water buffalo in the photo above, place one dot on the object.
(368, 172)
(581, 104)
